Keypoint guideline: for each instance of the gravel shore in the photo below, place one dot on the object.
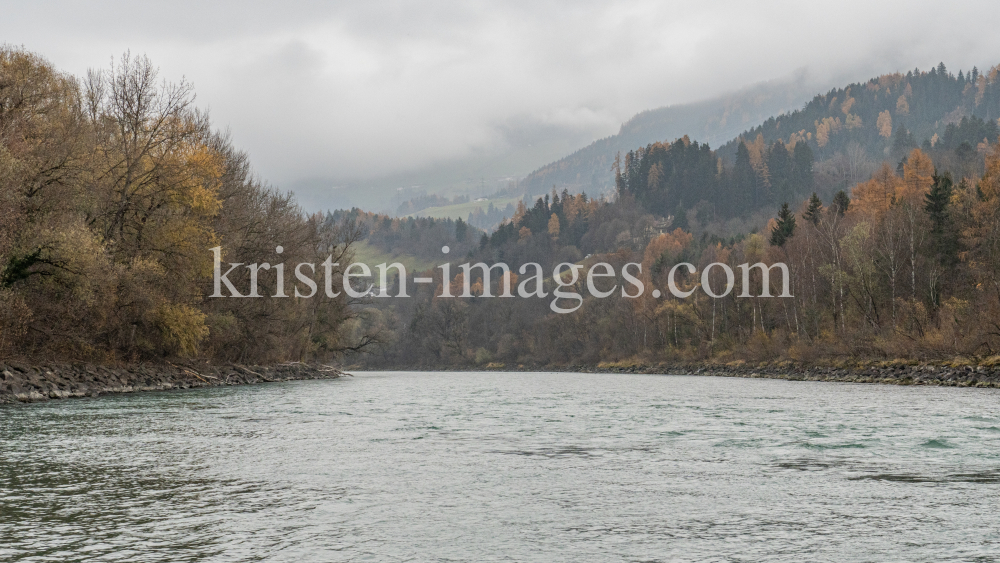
(23, 383)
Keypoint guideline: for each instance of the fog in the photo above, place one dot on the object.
(354, 92)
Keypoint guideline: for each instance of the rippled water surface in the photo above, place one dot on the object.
(506, 467)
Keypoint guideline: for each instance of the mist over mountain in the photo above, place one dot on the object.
(534, 153)
(715, 121)
(523, 144)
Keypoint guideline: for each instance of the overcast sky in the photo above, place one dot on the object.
(361, 89)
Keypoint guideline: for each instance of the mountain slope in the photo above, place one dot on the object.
(849, 129)
(713, 121)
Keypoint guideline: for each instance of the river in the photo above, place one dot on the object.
(547, 467)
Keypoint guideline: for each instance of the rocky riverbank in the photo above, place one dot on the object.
(61, 381)
(947, 374)
(893, 373)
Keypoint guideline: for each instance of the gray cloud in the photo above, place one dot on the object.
(364, 90)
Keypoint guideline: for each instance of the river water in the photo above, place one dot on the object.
(506, 467)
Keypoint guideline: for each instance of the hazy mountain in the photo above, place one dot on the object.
(714, 121)
(525, 145)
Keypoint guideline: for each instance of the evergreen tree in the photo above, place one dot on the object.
(785, 227)
(841, 202)
(944, 236)
(744, 179)
(902, 140)
(814, 210)
(780, 166)
(803, 167)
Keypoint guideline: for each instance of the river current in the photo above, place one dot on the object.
(547, 467)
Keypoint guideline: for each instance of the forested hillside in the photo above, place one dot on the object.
(906, 268)
(847, 133)
(885, 211)
(713, 121)
(113, 190)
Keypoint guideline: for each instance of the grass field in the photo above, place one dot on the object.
(462, 210)
(368, 254)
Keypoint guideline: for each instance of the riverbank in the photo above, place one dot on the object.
(946, 374)
(23, 383)
(891, 373)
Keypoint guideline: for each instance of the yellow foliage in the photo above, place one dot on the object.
(828, 126)
(902, 106)
(520, 212)
(990, 184)
(554, 226)
(753, 248)
(889, 81)
(884, 124)
(758, 151)
(183, 327)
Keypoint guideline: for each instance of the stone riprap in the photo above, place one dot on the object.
(31, 383)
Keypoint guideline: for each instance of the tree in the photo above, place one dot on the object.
(902, 140)
(944, 236)
(553, 226)
(841, 202)
(884, 124)
(918, 177)
(814, 210)
(745, 178)
(780, 165)
(803, 166)
(785, 227)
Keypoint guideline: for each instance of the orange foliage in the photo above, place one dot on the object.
(875, 196)
(671, 244)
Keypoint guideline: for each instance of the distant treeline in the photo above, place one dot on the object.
(491, 217)
(422, 237)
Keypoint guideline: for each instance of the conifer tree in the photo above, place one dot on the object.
(785, 227)
(841, 202)
(745, 178)
(944, 237)
(814, 210)
(802, 156)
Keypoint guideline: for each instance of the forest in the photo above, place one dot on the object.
(905, 267)
(113, 188)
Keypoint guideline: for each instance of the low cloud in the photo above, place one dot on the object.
(362, 90)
